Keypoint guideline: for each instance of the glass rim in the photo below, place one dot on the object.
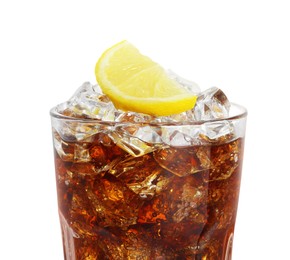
(241, 113)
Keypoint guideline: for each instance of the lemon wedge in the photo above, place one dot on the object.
(136, 83)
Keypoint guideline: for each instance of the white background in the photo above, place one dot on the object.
(49, 48)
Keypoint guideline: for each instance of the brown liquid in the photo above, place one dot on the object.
(174, 203)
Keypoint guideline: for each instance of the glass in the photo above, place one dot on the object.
(124, 197)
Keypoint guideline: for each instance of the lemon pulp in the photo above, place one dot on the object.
(136, 83)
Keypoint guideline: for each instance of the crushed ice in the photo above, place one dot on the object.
(138, 133)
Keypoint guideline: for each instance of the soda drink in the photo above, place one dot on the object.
(123, 195)
(147, 166)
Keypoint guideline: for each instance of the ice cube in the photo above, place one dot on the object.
(81, 152)
(71, 151)
(189, 85)
(88, 102)
(149, 134)
(190, 199)
(113, 202)
(133, 117)
(140, 174)
(211, 104)
(179, 201)
(73, 130)
(184, 161)
(131, 144)
(180, 135)
(154, 211)
(187, 194)
(81, 216)
(225, 160)
(64, 149)
(82, 169)
(217, 131)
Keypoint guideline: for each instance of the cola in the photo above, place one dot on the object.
(169, 202)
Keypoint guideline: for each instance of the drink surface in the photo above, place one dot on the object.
(172, 203)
